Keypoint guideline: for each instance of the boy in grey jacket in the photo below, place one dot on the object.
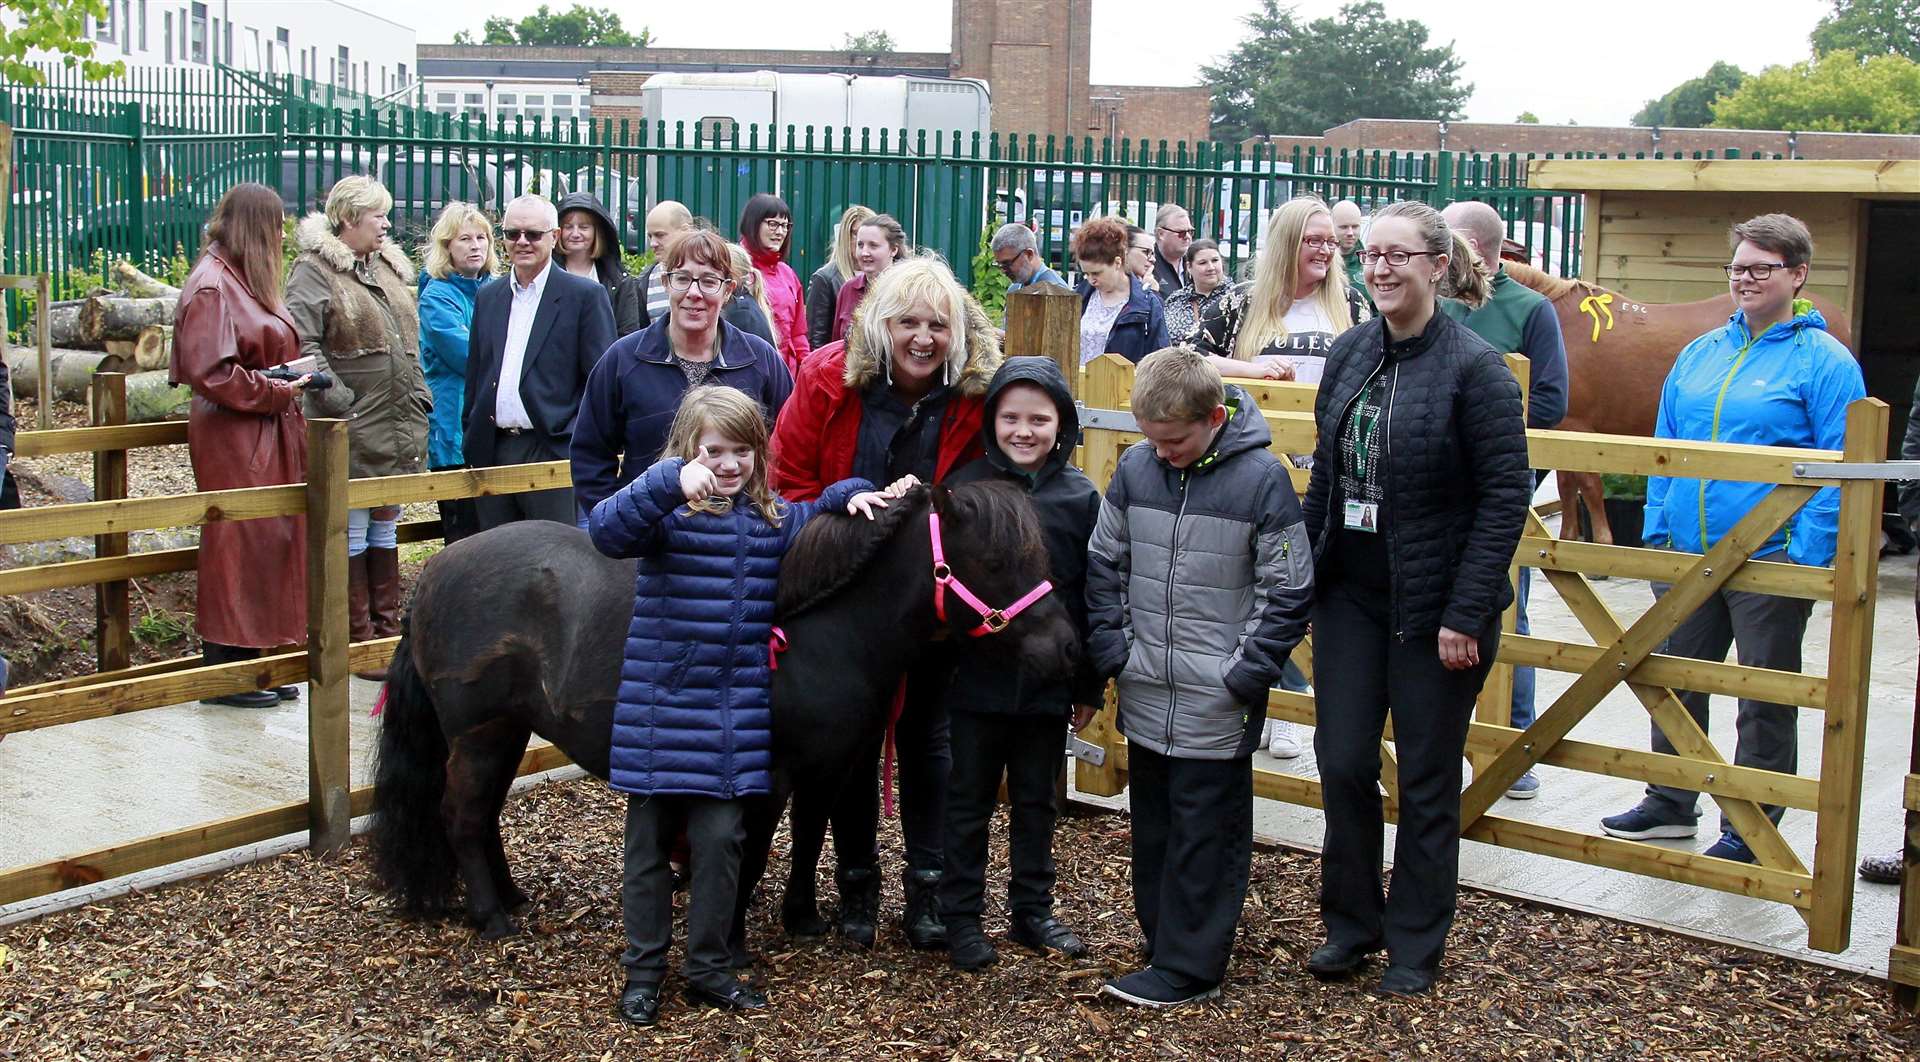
(1199, 584)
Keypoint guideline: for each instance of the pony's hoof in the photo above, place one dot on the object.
(513, 899)
(498, 927)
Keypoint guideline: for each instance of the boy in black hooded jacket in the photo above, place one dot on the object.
(999, 717)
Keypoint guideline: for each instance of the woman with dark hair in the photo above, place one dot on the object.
(1200, 297)
(244, 430)
(823, 288)
(589, 246)
(1117, 314)
(766, 231)
(1420, 487)
(878, 243)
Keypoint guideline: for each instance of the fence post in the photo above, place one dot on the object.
(1495, 704)
(329, 752)
(1903, 960)
(1107, 387)
(113, 623)
(137, 177)
(1443, 179)
(43, 339)
(1849, 670)
(1044, 320)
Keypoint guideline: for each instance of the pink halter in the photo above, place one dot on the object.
(992, 620)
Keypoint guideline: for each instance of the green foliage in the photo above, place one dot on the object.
(1690, 104)
(636, 262)
(158, 628)
(1623, 486)
(1287, 77)
(1528, 118)
(58, 26)
(579, 26)
(989, 284)
(1836, 93)
(463, 37)
(872, 42)
(1870, 27)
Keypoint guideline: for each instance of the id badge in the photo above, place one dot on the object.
(1362, 516)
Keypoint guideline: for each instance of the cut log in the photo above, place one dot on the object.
(71, 371)
(105, 317)
(153, 351)
(151, 398)
(64, 324)
(138, 284)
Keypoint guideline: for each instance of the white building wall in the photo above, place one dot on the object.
(304, 37)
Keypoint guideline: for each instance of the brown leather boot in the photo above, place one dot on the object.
(359, 619)
(383, 591)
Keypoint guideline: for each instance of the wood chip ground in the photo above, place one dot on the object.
(300, 958)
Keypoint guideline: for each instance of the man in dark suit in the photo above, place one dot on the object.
(535, 337)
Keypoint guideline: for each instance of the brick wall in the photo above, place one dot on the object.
(1149, 112)
(1034, 54)
(1378, 134)
(616, 95)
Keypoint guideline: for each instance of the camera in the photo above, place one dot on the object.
(320, 381)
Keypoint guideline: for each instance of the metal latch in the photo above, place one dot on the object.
(1086, 751)
(1892, 471)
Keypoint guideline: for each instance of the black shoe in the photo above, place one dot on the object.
(921, 917)
(859, 905)
(1332, 961)
(969, 948)
(731, 996)
(1404, 981)
(639, 1003)
(1044, 933)
(287, 693)
(248, 699)
(1153, 987)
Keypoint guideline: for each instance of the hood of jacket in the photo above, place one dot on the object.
(315, 236)
(865, 365)
(609, 264)
(470, 285)
(1045, 374)
(1804, 316)
(1245, 429)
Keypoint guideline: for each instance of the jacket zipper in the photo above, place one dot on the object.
(1713, 435)
(1386, 483)
(1173, 563)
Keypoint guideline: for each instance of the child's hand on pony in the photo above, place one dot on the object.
(899, 487)
(863, 503)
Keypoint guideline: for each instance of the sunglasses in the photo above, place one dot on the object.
(529, 235)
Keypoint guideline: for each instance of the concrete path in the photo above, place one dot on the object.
(74, 788)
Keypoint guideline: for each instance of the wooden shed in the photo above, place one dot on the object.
(1656, 229)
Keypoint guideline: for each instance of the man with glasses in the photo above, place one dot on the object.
(536, 334)
(1017, 253)
(1172, 232)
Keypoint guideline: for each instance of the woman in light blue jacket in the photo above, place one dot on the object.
(1771, 376)
(459, 257)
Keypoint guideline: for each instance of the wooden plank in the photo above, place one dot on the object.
(1873, 177)
(1043, 320)
(329, 741)
(459, 483)
(1495, 702)
(123, 696)
(113, 618)
(1274, 396)
(49, 522)
(1579, 451)
(1903, 965)
(1850, 672)
(1664, 566)
(1678, 672)
(1108, 385)
(97, 570)
(90, 440)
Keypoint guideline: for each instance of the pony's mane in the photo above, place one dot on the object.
(834, 547)
(1554, 288)
(1003, 510)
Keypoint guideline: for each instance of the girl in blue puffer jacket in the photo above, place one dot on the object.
(692, 734)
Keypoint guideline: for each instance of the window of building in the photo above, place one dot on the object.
(143, 25)
(255, 61)
(366, 77)
(444, 97)
(103, 27)
(197, 34)
(561, 99)
(166, 36)
(474, 98)
(226, 44)
(400, 74)
(537, 101)
(506, 98)
(343, 69)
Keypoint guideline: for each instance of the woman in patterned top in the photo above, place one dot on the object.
(1200, 297)
(1280, 324)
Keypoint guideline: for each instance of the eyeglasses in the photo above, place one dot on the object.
(679, 281)
(778, 223)
(1322, 243)
(1185, 234)
(1148, 249)
(529, 235)
(1394, 258)
(1758, 270)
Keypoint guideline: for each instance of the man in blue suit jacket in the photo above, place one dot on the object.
(537, 333)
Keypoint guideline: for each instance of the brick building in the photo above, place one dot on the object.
(1381, 134)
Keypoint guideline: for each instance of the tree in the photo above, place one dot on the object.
(1528, 118)
(872, 42)
(582, 27)
(463, 37)
(1870, 27)
(57, 26)
(1287, 77)
(1690, 104)
(1836, 93)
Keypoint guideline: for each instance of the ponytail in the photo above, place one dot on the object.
(1468, 278)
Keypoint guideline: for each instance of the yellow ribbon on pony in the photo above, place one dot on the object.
(1594, 306)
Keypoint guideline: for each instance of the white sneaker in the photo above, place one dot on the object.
(1282, 743)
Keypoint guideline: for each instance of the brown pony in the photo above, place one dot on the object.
(1618, 355)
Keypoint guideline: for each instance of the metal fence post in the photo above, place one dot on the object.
(329, 751)
(137, 178)
(1444, 179)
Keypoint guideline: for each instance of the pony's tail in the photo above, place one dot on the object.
(412, 856)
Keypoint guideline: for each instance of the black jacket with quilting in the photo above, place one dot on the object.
(1457, 486)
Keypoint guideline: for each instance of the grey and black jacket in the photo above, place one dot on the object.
(1199, 584)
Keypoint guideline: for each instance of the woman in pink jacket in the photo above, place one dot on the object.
(766, 230)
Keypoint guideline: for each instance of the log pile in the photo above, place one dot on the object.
(127, 328)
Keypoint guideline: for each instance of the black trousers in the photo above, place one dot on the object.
(1192, 852)
(1364, 674)
(715, 831)
(459, 517)
(526, 448)
(923, 759)
(1031, 751)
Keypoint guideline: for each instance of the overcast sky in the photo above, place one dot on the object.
(1594, 63)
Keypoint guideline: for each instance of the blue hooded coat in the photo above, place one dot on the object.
(446, 311)
(691, 717)
(1790, 386)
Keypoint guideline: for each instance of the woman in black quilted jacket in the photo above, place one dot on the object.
(1419, 491)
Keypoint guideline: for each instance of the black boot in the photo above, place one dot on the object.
(859, 904)
(921, 919)
(968, 948)
(214, 653)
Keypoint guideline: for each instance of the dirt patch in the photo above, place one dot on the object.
(300, 958)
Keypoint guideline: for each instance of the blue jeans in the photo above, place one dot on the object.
(1522, 716)
(1292, 679)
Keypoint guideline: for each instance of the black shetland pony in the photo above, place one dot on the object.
(520, 631)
